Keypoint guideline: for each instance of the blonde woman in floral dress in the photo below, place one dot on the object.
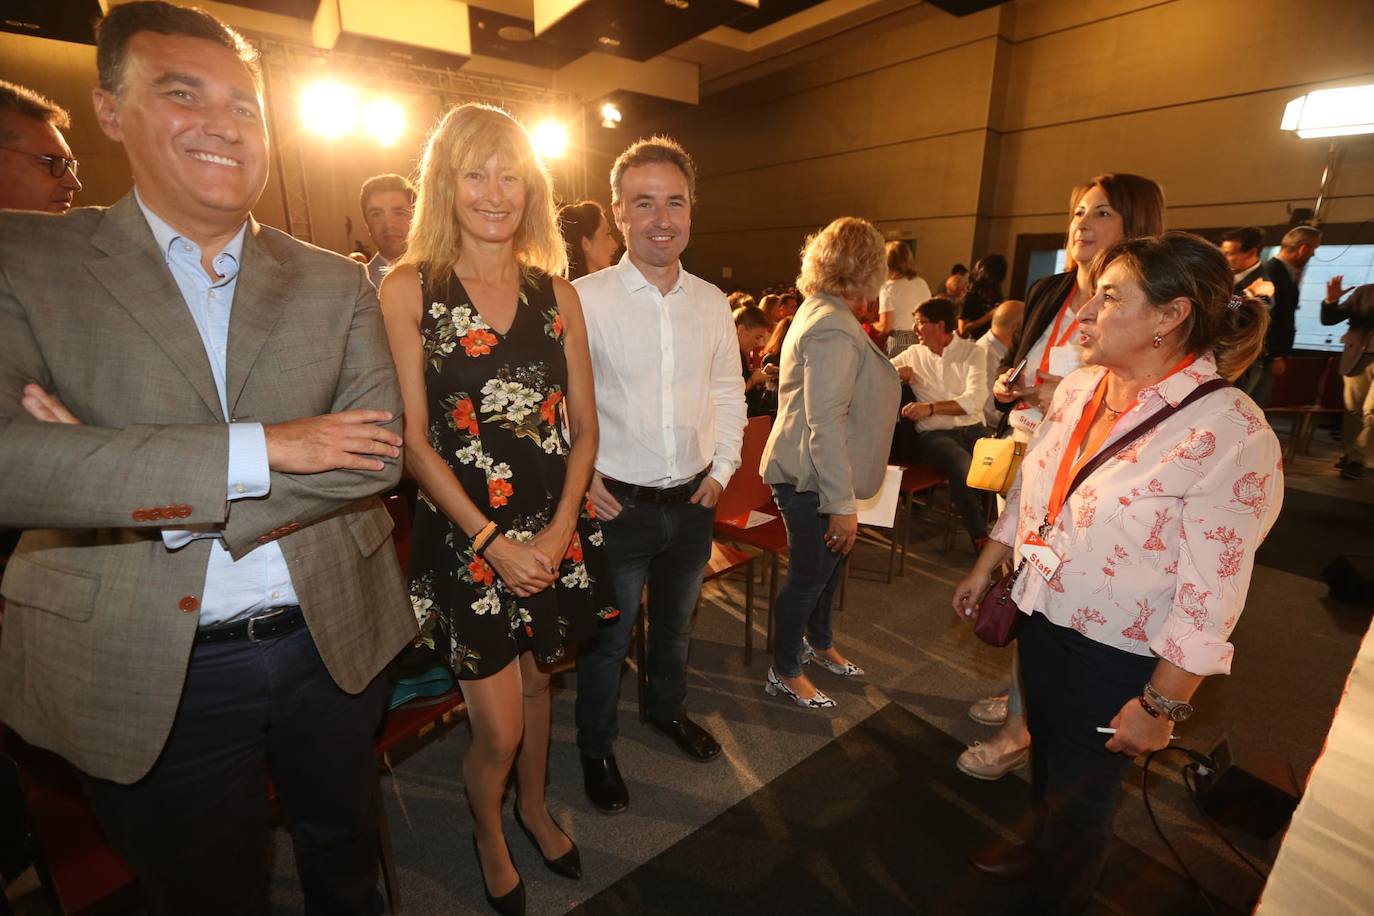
(500, 433)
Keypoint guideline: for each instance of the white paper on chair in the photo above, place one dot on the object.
(880, 510)
(757, 518)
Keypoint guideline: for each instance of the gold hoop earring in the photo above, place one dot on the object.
(1158, 340)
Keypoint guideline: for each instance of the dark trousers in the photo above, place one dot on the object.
(1073, 685)
(949, 451)
(806, 599)
(667, 547)
(196, 829)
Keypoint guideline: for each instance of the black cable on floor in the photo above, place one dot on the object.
(1145, 793)
(1189, 780)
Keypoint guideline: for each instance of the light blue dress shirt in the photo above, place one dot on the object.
(261, 580)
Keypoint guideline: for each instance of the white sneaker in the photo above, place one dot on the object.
(988, 761)
(989, 710)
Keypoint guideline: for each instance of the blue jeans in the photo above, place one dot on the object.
(668, 547)
(1074, 684)
(807, 598)
(950, 451)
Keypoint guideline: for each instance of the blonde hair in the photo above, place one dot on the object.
(845, 259)
(465, 139)
(901, 263)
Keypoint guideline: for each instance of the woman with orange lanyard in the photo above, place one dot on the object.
(1104, 211)
(1142, 451)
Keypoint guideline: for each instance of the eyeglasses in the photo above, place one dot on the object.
(57, 165)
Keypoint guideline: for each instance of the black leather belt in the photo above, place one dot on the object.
(656, 496)
(255, 629)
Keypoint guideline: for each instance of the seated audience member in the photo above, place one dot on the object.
(898, 298)
(751, 328)
(948, 377)
(1357, 369)
(739, 299)
(1006, 320)
(984, 294)
(956, 284)
(387, 202)
(791, 301)
(587, 233)
(771, 305)
(771, 354)
(38, 171)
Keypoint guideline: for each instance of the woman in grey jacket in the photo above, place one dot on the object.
(837, 404)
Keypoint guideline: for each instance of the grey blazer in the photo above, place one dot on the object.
(837, 404)
(100, 615)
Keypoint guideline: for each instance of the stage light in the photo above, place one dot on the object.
(1339, 112)
(610, 116)
(550, 139)
(329, 109)
(384, 121)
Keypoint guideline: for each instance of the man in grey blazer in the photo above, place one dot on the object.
(196, 413)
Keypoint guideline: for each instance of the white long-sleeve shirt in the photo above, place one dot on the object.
(669, 396)
(959, 373)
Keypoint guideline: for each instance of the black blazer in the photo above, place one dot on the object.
(1283, 321)
(1359, 340)
(1042, 304)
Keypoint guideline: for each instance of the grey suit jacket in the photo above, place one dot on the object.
(100, 614)
(837, 404)
(1359, 338)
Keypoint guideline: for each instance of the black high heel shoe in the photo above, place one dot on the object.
(568, 865)
(511, 903)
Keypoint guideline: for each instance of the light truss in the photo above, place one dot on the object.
(288, 65)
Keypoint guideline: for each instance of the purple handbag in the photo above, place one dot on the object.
(998, 615)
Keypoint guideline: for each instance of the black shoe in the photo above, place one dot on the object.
(1353, 470)
(511, 903)
(1006, 863)
(568, 865)
(605, 788)
(1341, 462)
(694, 740)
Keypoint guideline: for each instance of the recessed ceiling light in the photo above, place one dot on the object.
(677, 4)
(515, 33)
(608, 41)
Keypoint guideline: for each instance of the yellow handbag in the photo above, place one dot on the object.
(995, 462)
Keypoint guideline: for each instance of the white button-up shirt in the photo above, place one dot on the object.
(960, 373)
(669, 397)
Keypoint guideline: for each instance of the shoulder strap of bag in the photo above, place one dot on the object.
(1142, 428)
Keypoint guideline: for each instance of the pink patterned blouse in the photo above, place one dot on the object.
(1157, 545)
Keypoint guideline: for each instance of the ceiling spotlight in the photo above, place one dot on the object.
(550, 139)
(610, 116)
(677, 4)
(1331, 113)
(329, 109)
(384, 121)
(608, 41)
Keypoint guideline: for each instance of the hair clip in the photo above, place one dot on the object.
(1235, 302)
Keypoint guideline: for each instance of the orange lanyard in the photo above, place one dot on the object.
(1055, 340)
(1071, 462)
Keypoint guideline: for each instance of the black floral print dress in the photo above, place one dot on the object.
(496, 415)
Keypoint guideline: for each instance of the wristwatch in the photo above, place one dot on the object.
(1157, 704)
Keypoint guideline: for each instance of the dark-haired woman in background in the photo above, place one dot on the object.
(1102, 212)
(591, 246)
(1123, 623)
(983, 296)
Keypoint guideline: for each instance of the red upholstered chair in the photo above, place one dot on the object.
(76, 865)
(917, 479)
(748, 493)
(1303, 393)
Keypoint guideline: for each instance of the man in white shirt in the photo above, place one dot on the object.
(670, 401)
(994, 344)
(388, 203)
(948, 377)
